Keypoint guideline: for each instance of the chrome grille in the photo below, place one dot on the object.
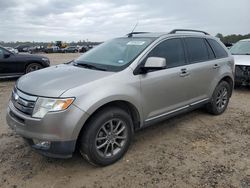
(23, 102)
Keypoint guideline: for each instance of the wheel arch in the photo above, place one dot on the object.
(128, 106)
(230, 81)
(30, 62)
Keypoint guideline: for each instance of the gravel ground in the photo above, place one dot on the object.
(192, 150)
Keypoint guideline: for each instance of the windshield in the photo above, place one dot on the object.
(116, 54)
(241, 48)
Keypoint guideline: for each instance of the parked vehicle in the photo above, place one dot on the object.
(83, 49)
(241, 53)
(22, 48)
(53, 49)
(36, 49)
(100, 99)
(70, 49)
(15, 65)
(13, 50)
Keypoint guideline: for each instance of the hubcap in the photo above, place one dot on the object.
(221, 99)
(111, 138)
(33, 68)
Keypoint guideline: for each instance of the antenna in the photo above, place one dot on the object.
(134, 27)
(131, 33)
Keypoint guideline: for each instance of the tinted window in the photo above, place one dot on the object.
(172, 51)
(219, 51)
(210, 51)
(197, 50)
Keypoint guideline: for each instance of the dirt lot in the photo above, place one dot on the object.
(191, 150)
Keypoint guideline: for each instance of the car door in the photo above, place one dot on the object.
(165, 91)
(202, 68)
(9, 64)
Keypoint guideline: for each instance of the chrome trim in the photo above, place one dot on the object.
(176, 110)
(200, 101)
(25, 96)
(23, 102)
(167, 113)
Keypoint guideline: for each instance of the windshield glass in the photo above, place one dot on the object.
(116, 54)
(241, 48)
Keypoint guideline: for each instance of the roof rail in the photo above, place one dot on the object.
(135, 33)
(189, 30)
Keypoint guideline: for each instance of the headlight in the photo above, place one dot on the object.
(45, 105)
(45, 59)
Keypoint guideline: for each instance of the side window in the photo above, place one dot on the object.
(172, 51)
(210, 51)
(219, 51)
(197, 50)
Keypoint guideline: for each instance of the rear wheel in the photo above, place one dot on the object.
(107, 136)
(220, 98)
(33, 67)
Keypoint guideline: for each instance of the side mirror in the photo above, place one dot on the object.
(154, 63)
(7, 55)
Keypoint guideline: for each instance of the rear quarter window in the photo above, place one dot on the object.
(219, 51)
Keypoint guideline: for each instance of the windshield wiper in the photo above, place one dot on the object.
(89, 66)
(240, 54)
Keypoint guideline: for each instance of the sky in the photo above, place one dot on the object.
(100, 20)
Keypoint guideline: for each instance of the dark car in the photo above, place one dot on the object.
(14, 65)
(83, 49)
(22, 48)
(71, 49)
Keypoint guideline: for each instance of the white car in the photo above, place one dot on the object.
(13, 50)
(241, 53)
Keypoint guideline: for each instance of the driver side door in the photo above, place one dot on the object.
(8, 64)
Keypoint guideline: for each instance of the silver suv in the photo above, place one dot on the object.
(97, 102)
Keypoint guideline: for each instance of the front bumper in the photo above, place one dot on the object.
(61, 129)
(242, 74)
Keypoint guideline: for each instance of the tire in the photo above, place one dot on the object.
(33, 67)
(220, 98)
(97, 139)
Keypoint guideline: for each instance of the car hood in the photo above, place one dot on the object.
(242, 60)
(55, 80)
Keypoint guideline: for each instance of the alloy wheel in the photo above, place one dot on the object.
(111, 138)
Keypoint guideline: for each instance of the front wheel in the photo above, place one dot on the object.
(107, 136)
(32, 67)
(220, 98)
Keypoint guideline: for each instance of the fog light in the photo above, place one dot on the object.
(40, 144)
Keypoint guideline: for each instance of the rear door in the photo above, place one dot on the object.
(165, 91)
(202, 67)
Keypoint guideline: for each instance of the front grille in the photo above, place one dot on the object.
(23, 102)
(242, 71)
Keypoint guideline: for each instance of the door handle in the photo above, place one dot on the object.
(216, 66)
(184, 72)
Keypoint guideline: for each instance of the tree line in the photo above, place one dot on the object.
(230, 39)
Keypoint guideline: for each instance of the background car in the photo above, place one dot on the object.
(22, 48)
(71, 49)
(241, 53)
(14, 65)
(13, 50)
(53, 49)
